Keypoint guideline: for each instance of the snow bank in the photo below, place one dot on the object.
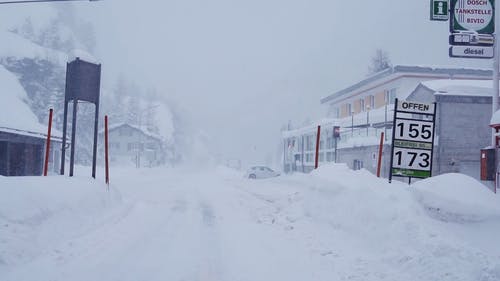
(457, 197)
(32, 200)
(435, 229)
(359, 202)
(36, 212)
(341, 173)
(450, 197)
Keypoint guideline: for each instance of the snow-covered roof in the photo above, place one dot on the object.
(310, 128)
(31, 134)
(460, 87)
(141, 129)
(414, 70)
(495, 119)
(373, 116)
(15, 114)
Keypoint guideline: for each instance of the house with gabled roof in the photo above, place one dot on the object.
(133, 145)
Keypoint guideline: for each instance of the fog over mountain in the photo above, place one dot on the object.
(242, 69)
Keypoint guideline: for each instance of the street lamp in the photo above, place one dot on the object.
(41, 1)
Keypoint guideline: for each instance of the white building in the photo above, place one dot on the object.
(131, 145)
(362, 111)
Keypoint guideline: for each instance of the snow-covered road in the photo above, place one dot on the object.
(215, 225)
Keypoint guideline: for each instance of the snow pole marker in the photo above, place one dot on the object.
(106, 151)
(380, 148)
(47, 147)
(316, 161)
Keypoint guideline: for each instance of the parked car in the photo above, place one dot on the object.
(261, 172)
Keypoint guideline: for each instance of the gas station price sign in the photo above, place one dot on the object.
(412, 139)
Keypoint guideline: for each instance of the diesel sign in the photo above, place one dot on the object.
(471, 52)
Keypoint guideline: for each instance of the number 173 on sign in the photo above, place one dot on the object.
(413, 159)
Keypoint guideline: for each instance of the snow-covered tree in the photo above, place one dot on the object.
(379, 61)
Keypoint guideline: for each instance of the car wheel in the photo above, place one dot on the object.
(252, 176)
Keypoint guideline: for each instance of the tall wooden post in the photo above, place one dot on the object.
(318, 135)
(380, 148)
(106, 153)
(47, 147)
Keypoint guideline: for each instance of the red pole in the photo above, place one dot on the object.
(106, 152)
(379, 164)
(317, 148)
(47, 147)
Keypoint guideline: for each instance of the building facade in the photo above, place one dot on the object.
(22, 153)
(462, 122)
(131, 145)
(364, 111)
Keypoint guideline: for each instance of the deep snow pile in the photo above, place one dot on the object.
(36, 213)
(443, 228)
(455, 197)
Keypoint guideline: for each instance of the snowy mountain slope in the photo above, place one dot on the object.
(19, 47)
(333, 224)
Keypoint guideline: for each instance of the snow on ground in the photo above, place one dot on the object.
(182, 224)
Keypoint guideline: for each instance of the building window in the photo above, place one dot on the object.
(390, 96)
(310, 142)
(357, 165)
(372, 102)
(349, 109)
(362, 104)
(135, 146)
(309, 157)
(337, 112)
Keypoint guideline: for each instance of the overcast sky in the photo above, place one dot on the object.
(242, 69)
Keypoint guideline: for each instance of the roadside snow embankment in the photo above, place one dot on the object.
(36, 212)
(442, 226)
(449, 197)
(457, 198)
